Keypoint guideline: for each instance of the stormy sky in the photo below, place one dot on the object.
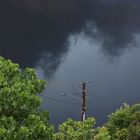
(72, 41)
(36, 32)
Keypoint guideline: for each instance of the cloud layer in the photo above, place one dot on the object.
(31, 26)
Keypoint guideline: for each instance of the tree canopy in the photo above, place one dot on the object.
(19, 104)
(124, 124)
(22, 119)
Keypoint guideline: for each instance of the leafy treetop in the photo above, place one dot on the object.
(19, 115)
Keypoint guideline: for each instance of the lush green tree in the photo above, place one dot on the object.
(102, 134)
(76, 130)
(134, 128)
(121, 122)
(19, 104)
(21, 118)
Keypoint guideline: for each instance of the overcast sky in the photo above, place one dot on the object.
(74, 40)
(30, 29)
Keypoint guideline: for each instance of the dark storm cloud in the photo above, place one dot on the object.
(119, 23)
(28, 27)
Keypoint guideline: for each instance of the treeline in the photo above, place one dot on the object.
(22, 119)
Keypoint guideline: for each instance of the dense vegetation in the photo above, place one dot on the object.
(21, 118)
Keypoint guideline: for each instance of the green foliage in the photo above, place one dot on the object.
(21, 119)
(103, 134)
(76, 130)
(122, 121)
(19, 115)
(134, 128)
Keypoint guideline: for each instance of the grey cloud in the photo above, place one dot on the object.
(29, 27)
